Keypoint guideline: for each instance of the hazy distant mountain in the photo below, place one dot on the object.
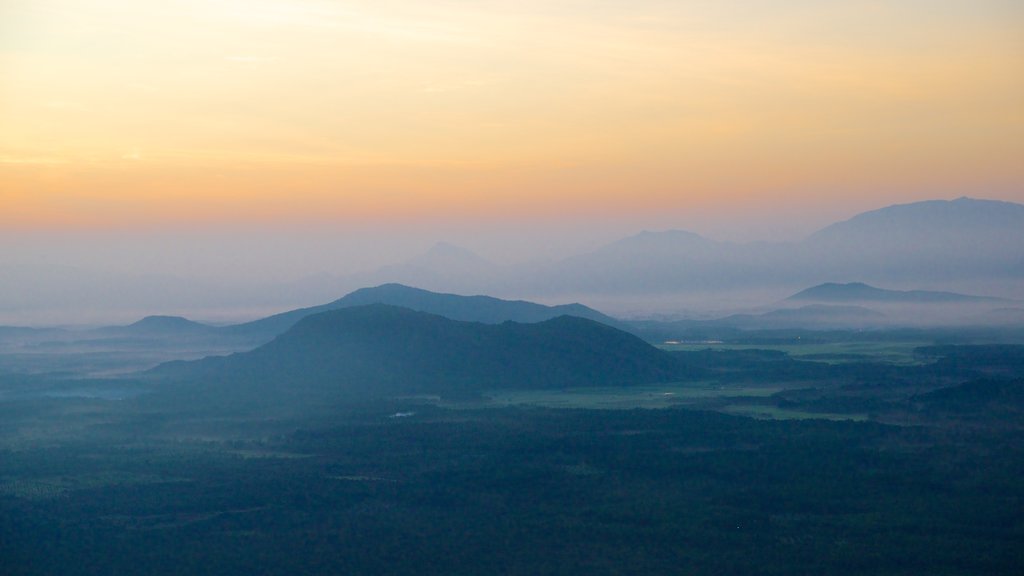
(65, 295)
(23, 334)
(162, 326)
(444, 256)
(444, 267)
(379, 350)
(860, 292)
(962, 242)
(466, 308)
(962, 221)
(934, 240)
(963, 245)
(659, 262)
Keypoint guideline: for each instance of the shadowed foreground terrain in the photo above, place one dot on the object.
(926, 481)
(522, 491)
(374, 439)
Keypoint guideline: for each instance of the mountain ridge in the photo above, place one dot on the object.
(860, 291)
(477, 308)
(380, 350)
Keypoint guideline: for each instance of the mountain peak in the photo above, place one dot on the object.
(663, 242)
(159, 323)
(859, 291)
(380, 350)
(445, 252)
(485, 309)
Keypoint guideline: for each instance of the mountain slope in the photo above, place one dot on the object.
(456, 307)
(962, 239)
(661, 262)
(931, 220)
(380, 350)
(967, 243)
(860, 292)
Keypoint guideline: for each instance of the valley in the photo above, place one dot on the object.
(374, 438)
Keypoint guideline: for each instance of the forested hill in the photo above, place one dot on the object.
(456, 307)
(380, 350)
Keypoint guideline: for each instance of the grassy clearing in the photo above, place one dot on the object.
(58, 486)
(751, 401)
(620, 398)
(763, 412)
(899, 353)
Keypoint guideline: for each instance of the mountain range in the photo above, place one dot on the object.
(965, 244)
(962, 245)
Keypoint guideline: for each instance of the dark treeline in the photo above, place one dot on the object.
(530, 491)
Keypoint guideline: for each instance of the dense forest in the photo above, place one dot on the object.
(927, 481)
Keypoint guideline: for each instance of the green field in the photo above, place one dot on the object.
(753, 401)
(895, 352)
(765, 412)
(624, 398)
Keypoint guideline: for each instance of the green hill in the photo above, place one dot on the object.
(381, 350)
(484, 309)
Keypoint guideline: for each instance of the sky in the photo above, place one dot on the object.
(191, 134)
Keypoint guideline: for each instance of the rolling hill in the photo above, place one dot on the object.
(161, 326)
(382, 350)
(456, 307)
(860, 292)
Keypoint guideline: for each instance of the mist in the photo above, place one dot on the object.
(625, 268)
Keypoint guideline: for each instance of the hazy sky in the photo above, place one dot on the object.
(137, 114)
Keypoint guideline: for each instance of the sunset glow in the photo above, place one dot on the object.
(123, 113)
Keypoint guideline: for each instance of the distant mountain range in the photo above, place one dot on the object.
(962, 245)
(380, 350)
(453, 306)
(963, 242)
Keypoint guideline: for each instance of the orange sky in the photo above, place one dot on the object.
(127, 113)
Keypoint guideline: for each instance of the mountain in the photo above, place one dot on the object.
(444, 266)
(860, 292)
(962, 246)
(21, 336)
(933, 221)
(932, 240)
(659, 262)
(446, 257)
(163, 325)
(382, 350)
(969, 244)
(466, 308)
